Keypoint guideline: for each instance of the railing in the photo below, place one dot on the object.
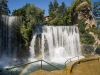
(70, 59)
(2, 70)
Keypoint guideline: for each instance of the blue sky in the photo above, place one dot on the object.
(43, 4)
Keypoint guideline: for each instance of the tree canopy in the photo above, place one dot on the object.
(4, 7)
(31, 16)
(58, 14)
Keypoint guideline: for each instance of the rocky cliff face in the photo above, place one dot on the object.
(84, 11)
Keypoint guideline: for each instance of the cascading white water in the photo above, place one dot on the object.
(12, 35)
(58, 43)
(10, 22)
(8, 39)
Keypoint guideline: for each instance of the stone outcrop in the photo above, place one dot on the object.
(83, 10)
(84, 13)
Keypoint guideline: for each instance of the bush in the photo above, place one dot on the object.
(95, 31)
(86, 38)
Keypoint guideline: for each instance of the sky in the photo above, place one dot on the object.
(43, 4)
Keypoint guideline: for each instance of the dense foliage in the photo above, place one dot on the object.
(59, 15)
(4, 7)
(62, 14)
(86, 38)
(31, 16)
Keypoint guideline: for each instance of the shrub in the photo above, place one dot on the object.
(86, 38)
(95, 31)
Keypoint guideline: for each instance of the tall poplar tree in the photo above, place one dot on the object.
(55, 4)
(50, 7)
(57, 13)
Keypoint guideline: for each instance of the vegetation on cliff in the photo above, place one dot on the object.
(83, 10)
(77, 2)
(85, 37)
(95, 31)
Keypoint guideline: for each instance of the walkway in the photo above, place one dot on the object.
(87, 68)
(43, 72)
(84, 66)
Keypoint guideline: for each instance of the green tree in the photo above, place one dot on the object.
(55, 4)
(31, 16)
(50, 7)
(53, 8)
(68, 16)
(4, 7)
(62, 9)
(57, 13)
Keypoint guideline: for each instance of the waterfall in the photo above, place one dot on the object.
(55, 43)
(50, 43)
(8, 34)
(3, 35)
(12, 40)
(8, 38)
